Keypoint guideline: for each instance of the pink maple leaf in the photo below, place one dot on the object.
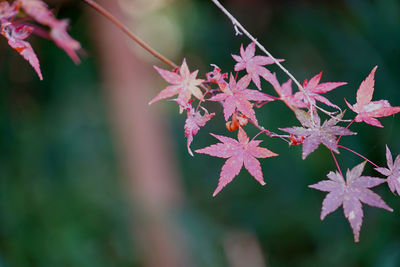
(350, 194)
(8, 11)
(285, 92)
(392, 172)
(63, 40)
(237, 153)
(184, 84)
(15, 37)
(313, 89)
(315, 133)
(238, 96)
(367, 110)
(216, 76)
(193, 122)
(39, 11)
(253, 64)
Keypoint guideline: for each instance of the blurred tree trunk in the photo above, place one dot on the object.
(147, 160)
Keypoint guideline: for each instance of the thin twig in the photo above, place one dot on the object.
(239, 26)
(347, 127)
(329, 113)
(267, 132)
(337, 164)
(128, 32)
(358, 154)
(133, 36)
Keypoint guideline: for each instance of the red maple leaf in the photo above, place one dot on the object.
(313, 89)
(350, 194)
(216, 76)
(63, 40)
(237, 96)
(285, 92)
(392, 172)
(184, 84)
(237, 153)
(39, 11)
(15, 37)
(367, 110)
(8, 11)
(253, 64)
(193, 122)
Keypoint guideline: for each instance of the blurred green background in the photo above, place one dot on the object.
(63, 200)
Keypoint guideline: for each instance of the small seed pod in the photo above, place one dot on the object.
(296, 140)
(242, 120)
(233, 125)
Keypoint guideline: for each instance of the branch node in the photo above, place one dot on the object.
(237, 31)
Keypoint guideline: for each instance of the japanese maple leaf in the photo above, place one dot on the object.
(15, 37)
(7, 11)
(367, 110)
(39, 11)
(315, 133)
(253, 64)
(184, 84)
(285, 92)
(216, 76)
(193, 122)
(238, 96)
(313, 89)
(238, 153)
(63, 40)
(392, 172)
(350, 194)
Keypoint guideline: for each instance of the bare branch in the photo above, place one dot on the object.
(128, 32)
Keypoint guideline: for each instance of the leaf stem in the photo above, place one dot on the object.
(347, 127)
(330, 114)
(268, 133)
(260, 104)
(337, 164)
(128, 32)
(358, 154)
(264, 131)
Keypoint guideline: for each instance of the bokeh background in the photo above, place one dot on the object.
(90, 175)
